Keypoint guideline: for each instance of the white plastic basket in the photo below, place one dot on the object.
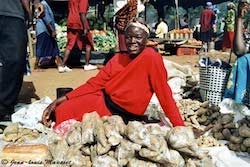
(213, 81)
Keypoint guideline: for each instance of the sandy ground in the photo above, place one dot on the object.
(41, 84)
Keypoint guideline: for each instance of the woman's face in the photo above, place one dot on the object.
(136, 39)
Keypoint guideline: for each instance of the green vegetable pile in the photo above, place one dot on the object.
(105, 42)
(61, 37)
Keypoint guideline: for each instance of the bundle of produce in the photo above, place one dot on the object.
(104, 41)
(96, 32)
(61, 36)
(152, 43)
(23, 145)
(15, 133)
(179, 31)
(207, 114)
(237, 133)
(208, 141)
(194, 42)
(197, 114)
(191, 89)
(107, 141)
(179, 34)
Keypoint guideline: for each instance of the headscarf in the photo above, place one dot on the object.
(138, 23)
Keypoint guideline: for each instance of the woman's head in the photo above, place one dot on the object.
(230, 5)
(136, 34)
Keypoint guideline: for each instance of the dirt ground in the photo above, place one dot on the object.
(41, 84)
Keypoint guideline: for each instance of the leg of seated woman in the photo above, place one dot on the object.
(75, 108)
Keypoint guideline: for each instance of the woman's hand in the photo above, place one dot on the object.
(46, 118)
(53, 34)
(85, 32)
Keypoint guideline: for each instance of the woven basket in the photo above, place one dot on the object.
(213, 81)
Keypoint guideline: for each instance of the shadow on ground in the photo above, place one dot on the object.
(28, 92)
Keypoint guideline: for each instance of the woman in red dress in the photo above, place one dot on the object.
(123, 87)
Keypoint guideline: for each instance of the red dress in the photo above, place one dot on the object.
(129, 83)
(74, 25)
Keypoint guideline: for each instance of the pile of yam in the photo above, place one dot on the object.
(16, 133)
(197, 114)
(109, 142)
(237, 133)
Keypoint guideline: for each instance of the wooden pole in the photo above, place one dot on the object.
(177, 21)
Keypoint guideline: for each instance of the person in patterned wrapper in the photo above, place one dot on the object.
(238, 86)
(229, 27)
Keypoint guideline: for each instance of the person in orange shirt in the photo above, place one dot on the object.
(124, 86)
(78, 32)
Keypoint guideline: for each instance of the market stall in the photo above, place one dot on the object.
(205, 141)
(178, 42)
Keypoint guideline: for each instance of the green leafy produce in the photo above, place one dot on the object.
(63, 22)
(105, 41)
(61, 37)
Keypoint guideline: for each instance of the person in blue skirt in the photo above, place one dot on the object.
(47, 50)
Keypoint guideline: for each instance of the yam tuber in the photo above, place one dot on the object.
(234, 147)
(226, 133)
(246, 142)
(244, 131)
(227, 118)
(218, 136)
(236, 140)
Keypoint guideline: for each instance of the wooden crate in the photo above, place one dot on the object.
(186, 51)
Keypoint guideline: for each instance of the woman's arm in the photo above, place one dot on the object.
(26, 6)
(83, 9)
(95, 83)
(84, 20)
(158, 79)
(239, 45)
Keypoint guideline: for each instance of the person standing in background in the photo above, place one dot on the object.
(229, 27)
(207, 19)
(13, 46)
(238, 86)
(124, 12)
(46, 45)
(184, 21)
(161, 28)
(78, 32)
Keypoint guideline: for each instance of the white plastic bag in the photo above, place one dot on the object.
(30, 115)
(229, 106)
